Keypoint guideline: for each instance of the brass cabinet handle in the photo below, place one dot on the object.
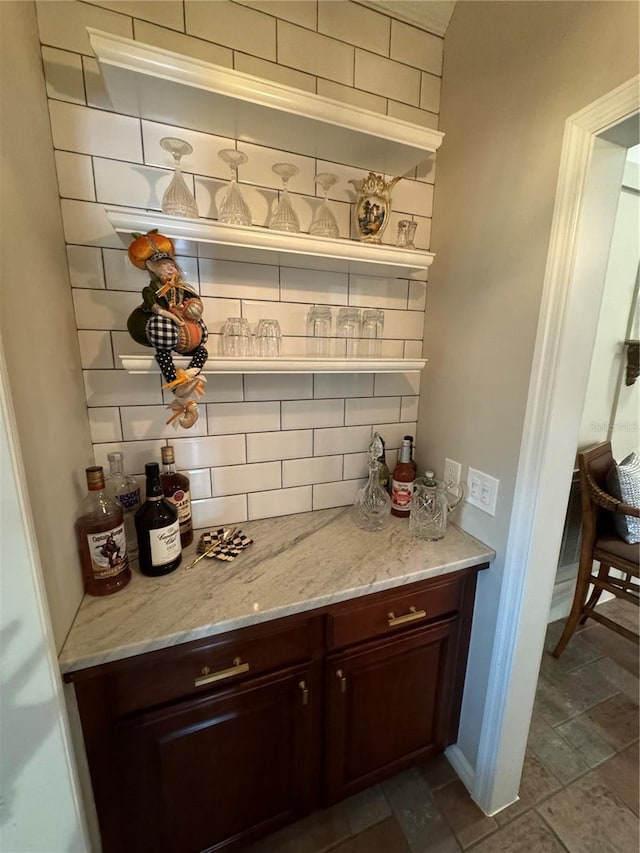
(209, 677)
(305, 692)
(412, 616)
(343, 681)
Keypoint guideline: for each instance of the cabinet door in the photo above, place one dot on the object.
(388, 706)
(207, 772)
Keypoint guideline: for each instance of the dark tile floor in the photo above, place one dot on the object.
(579, 789)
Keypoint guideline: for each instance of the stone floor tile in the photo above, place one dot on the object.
(438, 772)
(318, 832)
(614, 647)
(384, 837)
(577, 653)
(564, 694)
(419, 817)
(617, 676)
(468, 822)
(621, 774)
(589, 818)
(558, 756)
(537, 784)
(526, 834)
(366, 808)
(623, 612)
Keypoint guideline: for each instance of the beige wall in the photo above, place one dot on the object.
(513, 73)
(36, 316)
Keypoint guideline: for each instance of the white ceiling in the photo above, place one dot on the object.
(431, 15)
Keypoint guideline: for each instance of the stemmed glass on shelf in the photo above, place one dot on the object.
(178, 199)
(234, 210)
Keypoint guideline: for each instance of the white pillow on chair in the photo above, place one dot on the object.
(623, 482)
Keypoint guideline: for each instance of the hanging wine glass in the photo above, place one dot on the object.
(178, 200)
(284, 216)
(324, 222)
(234, 210)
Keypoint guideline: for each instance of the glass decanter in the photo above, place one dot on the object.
(178, 199)
(372, 505)
(284, 216)
(324, 222)
(234, 210)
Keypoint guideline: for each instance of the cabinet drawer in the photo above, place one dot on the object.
(392, 611)
(199, 667)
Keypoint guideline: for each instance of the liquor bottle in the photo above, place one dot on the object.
(159, 548)
(101, 539)
(409, 438)
(175, 488)
(402, 481)
(125, 491)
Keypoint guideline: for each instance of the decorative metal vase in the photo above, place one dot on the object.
(373, 206)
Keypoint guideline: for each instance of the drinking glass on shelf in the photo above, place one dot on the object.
(371, 335)
(319, 331)
(324, 222)
(284, 216)
(349, 326)
(236, 337)
(234, 210)
(406, 234)
(178, 199)
(268, 338)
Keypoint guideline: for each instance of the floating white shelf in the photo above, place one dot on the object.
(284, 364)
(167, 87)
(211, 239)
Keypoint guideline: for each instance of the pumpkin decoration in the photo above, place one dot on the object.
(170, 320)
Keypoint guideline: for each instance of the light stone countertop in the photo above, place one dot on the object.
(297, 563)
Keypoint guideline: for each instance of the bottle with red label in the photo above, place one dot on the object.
(159, 548)
(402, 482)
(101, 539)
(175, 488)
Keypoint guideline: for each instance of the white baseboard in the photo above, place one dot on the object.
(461, 764)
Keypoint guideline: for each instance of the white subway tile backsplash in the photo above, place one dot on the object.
(215, 314)
(341, 440)
(273, 386)
(417, 296)
(63, 75)
(75, 176)
(95, 88)
(238, 280)
(86, 223)
(199, 482)
(209, 452)
(88, 131)
(376, 292)
(85, 267)
(356, 466)
(318, 469)
(430, 92)
(423, 232)
(228, 418)
(406, 325)
(396, 384)
(240, 479)
(132, 184)
(166, 13)
(233, 25)
(63, 24)
(300, 12)
(214, 512)
(95, 350)
(393, 435)
(409, 408)
(413, 198)
(349, 95)
(367, 410)
(220, 387)
(414, 115)
(178, 42)
(362, 26)
(413, 349)
(123, 344)
(272, 71)
(103, 309)
(307, 414)
(118, 388)
(136, 454)
(416, 47)
(140, 423)
(384, 77)
(342, 385)
(279, 502)
(314, 286)
(292, 444)
(315, 53)
(104, 424)
(342, 493)
(203, 160)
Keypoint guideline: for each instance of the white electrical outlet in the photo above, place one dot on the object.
(482, 491)
(452, 472)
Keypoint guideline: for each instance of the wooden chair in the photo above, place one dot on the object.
(601, 543)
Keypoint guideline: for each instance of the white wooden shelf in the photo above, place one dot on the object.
(164, 86)
(283, 364)
(211, 239)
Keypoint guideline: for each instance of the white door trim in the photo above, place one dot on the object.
(554, 406)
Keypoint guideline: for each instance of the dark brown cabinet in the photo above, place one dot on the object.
(208, 745)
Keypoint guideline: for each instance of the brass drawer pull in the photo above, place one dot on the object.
(209, 677)
(343, 681)
(412, 616)
(305, 692)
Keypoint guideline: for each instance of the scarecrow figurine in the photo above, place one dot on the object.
(170, 319)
